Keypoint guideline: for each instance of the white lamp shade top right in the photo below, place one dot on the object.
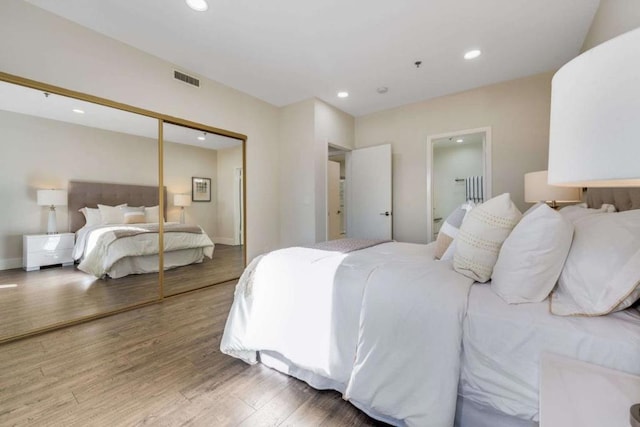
(181, 200)
(594, 138)
(52, 197)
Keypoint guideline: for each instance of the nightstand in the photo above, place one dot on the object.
(39, 250)
(575, 393)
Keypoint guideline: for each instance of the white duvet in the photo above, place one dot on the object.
(98, 248)
(383, 324)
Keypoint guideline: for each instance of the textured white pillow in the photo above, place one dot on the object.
(152, 214)
(133, 215)
(481, 235)
(91, 216)
(532, 257)
(111, 214)
(602, 272)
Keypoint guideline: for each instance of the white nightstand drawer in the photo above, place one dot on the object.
(38, 259)
(45, 242)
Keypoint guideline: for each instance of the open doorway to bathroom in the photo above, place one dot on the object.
(458, 170)
(336, 199)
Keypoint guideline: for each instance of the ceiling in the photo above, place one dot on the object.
(284, 51)
(24, 100)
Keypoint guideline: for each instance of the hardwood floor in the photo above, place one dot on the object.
(157, 365)
(61, 294)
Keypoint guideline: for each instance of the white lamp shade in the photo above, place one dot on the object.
(52, 197)
(536, 190)
(594, 138)
(181, 200)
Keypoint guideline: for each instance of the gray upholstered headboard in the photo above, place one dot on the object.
(81, 194)
(623, 199)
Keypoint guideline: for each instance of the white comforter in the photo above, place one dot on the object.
(382, 323)
(98, 249)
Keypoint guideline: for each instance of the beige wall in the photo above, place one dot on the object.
(518, 114)
(40, 153)
(39, 45)
(613, 18)
(229, 159)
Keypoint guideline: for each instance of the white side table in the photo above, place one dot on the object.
(575, 393)
(39, 250)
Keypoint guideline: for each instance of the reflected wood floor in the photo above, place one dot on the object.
(157, 365)
(61, 294)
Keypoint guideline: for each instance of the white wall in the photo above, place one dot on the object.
(449, 163)
(40, 153)
(613, 18)
(518, 113)
(39, 45)
(331, 126)
(229, 159)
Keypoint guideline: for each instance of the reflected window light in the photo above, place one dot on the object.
(11, 285)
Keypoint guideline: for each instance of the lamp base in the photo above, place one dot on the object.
(52, 225)
(181, 214)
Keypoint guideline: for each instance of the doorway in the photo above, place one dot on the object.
(458, 170)
(336, 201)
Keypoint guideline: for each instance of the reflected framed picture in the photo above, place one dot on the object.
(200, 189)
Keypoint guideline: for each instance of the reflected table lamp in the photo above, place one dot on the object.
(182, 200)
(52, 198)
(594, 134)
(536, 189)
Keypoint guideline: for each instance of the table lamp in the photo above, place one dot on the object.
(52, 198)
(536, 189)
(182, 200)
(594, 134)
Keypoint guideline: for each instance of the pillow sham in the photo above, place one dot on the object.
(602, 272)
(532, 257)
(111, 214)
(449, 229)
(133, 215)
(152, 214)
(481, 236)
(575, 212)
(91, 216)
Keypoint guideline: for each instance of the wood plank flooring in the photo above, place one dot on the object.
(159, 365)
(61, 294)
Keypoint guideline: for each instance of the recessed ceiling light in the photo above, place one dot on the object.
(202, 137)
(343, 94)
(459, 140)
(78, 111)
(198, 5)
(472, 54)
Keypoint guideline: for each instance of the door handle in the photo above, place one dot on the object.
(387, 213)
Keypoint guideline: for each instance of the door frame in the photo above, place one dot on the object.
(329, 146)
(486, 168)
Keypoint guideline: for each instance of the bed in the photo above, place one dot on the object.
(116, 250)
(408, 340)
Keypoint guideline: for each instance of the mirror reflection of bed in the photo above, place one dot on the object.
(55, 141)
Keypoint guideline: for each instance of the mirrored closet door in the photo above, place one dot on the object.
(203, 236)
(79, 186)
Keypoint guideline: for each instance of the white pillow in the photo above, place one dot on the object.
(111, 214)
(91, 216)
(602, 272)
(133, 215)
(575, 212)
(152, 214)
(532, 257)
(481, 235)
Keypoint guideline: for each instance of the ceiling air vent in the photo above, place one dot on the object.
(185, 78)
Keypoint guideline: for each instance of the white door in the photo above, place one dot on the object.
(369, 193)
(333, 202)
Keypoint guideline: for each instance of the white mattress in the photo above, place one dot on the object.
(502, 344)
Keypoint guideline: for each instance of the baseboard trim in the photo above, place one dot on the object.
(10, 263)
(224, 240)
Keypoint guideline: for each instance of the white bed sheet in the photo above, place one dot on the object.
(502, 344)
